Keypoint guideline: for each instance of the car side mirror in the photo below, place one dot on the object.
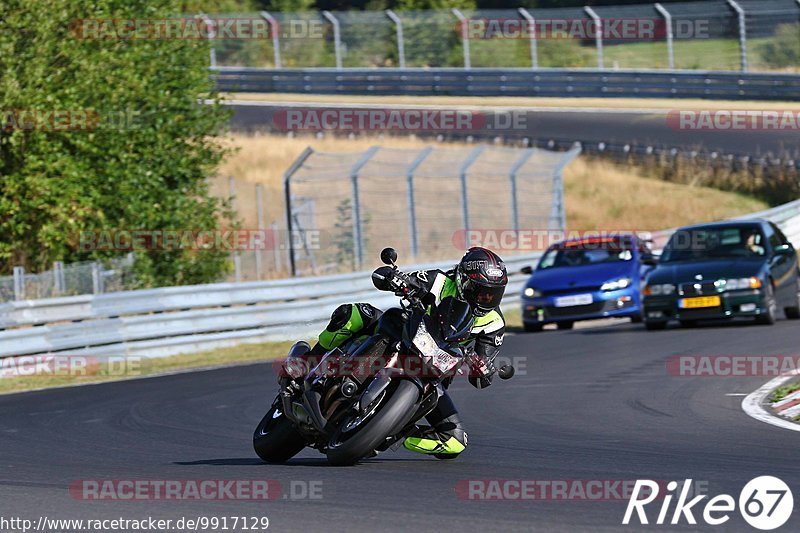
(784, 249)
(527, 269)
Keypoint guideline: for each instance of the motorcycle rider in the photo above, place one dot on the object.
(479, 279)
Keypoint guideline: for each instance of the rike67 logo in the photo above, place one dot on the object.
(765, 503)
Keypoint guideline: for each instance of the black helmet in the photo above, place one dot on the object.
(481, 278)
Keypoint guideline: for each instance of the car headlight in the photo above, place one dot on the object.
(530, 292)
(663, 289)
(739, 283)
(615, 285)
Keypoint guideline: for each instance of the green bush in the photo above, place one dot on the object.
(783, 50)
(146, 170)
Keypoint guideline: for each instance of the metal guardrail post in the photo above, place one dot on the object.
(211, 36)
(97, 279)
(670, 45)
(276, 43)
(358, 235)
(401, 45)
(742, 33)
(512, 176)
(261, 233)
(287, 191)
(337, 38)
(464, 37)
(532, 36)
(462, 176)
(58, 277)
(598, 36)
(412, 211)
(19, 283)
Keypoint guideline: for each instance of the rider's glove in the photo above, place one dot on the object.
(481, 371)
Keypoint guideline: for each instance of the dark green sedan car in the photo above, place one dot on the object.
(723, 270)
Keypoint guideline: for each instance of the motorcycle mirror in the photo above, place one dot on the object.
(506, 372)
(388, 256)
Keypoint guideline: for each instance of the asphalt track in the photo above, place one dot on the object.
(589, 404)
(635, 127)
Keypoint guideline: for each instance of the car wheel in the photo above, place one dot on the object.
(636, 319)
(565, 325)
(533, 328)
(655, 326)
(768, 318)
(688, 323)
(793, 312)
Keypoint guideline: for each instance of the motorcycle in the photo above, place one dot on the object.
(364, 397)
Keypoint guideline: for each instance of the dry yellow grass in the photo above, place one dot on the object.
(599, 194)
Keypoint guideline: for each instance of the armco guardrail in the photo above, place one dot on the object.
(171, 320)
(513, 82)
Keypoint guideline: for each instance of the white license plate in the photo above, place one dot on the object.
(571, 301)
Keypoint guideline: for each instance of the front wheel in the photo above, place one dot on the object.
(359, 435)
(769, 316)
(565, 325)
(275, 439)
(793, 312)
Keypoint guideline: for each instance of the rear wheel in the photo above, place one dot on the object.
(275, 439)
(688, 323)
(358, 436)
(565, 325)
(655, 326)
(793, 312)
(768, 317)
(636, 319)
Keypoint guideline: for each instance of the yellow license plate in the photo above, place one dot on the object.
(703, 301)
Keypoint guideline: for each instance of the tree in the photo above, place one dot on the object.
(137, 148)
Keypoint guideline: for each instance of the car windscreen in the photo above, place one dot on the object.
(585, 253)
(703, 244)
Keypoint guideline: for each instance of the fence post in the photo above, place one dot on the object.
(276, 43)
(58, 277)
(261, 233)
(532, 36)
(337, 38)
(97, 279)
(412, 210)
(358, 235)
(558, 216)
(237, 259)
(742, 33)
(598, 36)
(464, 37)
(462, 176)
(512, 175)
(212, 33)
(19, 283)
(287, 178)
(668, 21)
(401, 45)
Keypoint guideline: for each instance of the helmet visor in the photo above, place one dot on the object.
(482, 296)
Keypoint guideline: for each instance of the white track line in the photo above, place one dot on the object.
(752, 404)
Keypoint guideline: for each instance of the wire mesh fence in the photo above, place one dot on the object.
(711, 35)
(345, 207)
(88, 277)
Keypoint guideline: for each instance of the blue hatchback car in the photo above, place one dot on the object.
(587, 278)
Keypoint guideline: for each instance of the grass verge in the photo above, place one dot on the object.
(148, 367)
(782, 392)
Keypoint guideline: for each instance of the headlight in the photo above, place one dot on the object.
(739, 283)
(664, 289)
(530, 292)
(616, 284)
